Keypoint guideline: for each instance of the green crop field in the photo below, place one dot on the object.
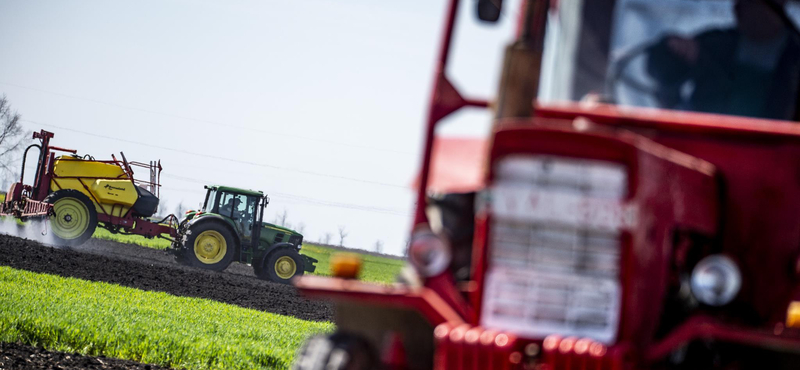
(96, 318)
(155, 243)
(375, 269)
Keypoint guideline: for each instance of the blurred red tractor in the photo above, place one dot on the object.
(637, 204)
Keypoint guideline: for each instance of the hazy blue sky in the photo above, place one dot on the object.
(318, 103)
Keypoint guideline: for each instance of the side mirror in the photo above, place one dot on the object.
(489, 10)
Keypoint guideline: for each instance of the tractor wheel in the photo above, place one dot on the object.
(281, 265)
(338, 351)
(209, 246)
(75, 217)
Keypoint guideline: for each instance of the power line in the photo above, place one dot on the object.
(294, 197)
(313, 201)
(215, 124)
(204, 155)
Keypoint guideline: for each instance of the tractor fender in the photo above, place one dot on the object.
(214, 219)
(273, 248)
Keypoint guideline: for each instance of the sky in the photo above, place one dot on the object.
(319, 104)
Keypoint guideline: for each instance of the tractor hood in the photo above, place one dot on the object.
(270, 226)
(274, 234)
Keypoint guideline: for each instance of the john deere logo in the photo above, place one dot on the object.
(109, 187)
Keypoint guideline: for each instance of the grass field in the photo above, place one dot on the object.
(375, 269)
(95, 318)
(155, 243)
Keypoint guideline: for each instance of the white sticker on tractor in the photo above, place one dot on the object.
(527, 204)
(534, 304)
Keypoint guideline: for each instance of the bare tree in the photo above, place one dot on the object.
(180, 209)
(326, 239)
(301, 228)
(342, 235)
(10, 135)
(7, 178)
(162, 208)
(282, 217)
(379, 246)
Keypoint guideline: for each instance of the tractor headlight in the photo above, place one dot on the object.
(716, 280)
(428, 253)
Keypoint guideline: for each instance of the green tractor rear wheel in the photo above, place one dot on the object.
(74, 219)
(210, 246)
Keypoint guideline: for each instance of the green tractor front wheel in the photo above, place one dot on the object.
(74, 219)
(210, 246)
(281, 265)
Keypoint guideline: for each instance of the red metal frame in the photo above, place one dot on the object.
(445, 100)
(425, 300)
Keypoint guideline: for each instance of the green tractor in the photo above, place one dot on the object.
(230, 227)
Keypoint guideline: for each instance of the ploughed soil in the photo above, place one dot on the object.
(18, 356)
(150, 269)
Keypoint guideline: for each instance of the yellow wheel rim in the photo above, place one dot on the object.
(210, 247)
(71, 219)
(285, 267)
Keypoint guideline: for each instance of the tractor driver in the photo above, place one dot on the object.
(242, 218)
(750, 69)
(231, 208)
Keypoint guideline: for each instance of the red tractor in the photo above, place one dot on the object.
(637, 206)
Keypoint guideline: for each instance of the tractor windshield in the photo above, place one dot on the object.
(211, 198)
(240, 208)
(737, 57)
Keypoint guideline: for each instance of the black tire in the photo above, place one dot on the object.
(337, 351)
(209, 246)
(75, 218)
(277, 266)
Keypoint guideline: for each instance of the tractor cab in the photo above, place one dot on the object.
(732, 57)
(243, 208)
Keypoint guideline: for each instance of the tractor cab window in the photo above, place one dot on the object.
(247, 214)
(210, 203)
(225, 204)
(241, 209)
(736, 57)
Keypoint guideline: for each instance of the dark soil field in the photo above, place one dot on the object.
(22, 357)
(150, 269)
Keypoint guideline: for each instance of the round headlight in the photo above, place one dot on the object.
(428, 253)
(716, 280)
